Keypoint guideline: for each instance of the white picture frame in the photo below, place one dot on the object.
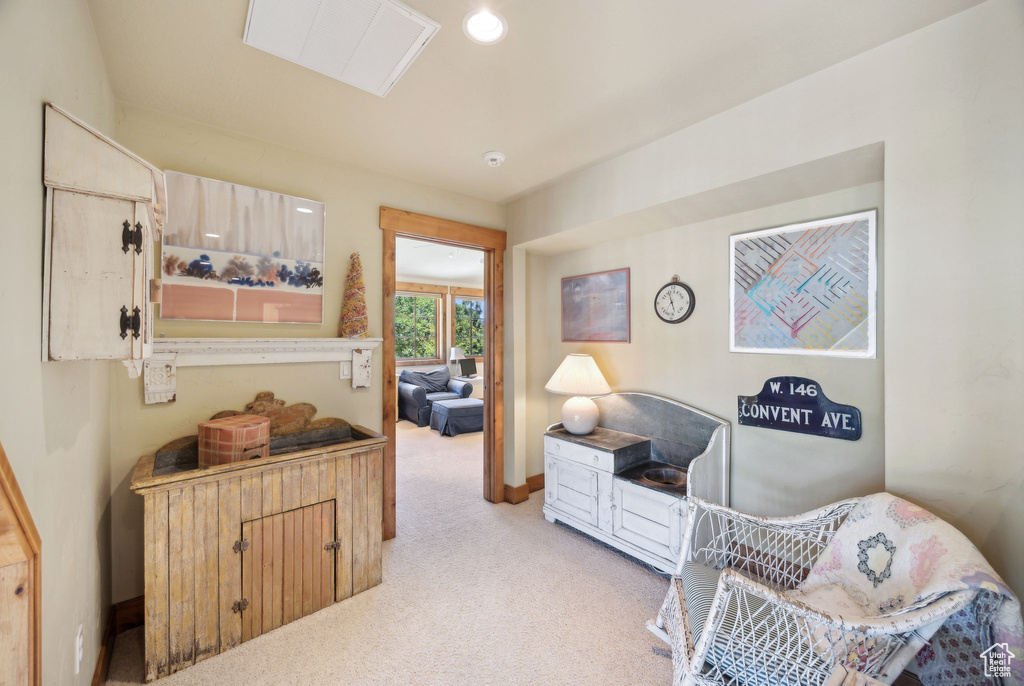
(806, 289)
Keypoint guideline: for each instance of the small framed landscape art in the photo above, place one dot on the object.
(805, 289)
(595, 307)
(240, 254)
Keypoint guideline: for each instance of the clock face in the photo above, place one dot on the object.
(674, 302)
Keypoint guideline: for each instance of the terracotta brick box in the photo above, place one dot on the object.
(233, 439)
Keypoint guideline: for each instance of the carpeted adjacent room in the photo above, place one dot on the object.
(473, 593)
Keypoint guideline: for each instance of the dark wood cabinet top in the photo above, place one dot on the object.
(608, 440)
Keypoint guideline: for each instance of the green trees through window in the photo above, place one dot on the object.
(469, 326)
(416, 327)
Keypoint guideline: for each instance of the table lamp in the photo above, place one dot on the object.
(579, 377)
(455, 356)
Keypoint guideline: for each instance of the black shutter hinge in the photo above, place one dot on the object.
(131, 237)
(125, 322)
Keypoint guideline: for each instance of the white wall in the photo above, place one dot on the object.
(947, 102)
(54, 417)
(691, 361)
(353, 197)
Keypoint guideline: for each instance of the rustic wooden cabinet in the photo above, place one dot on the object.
(102, 211)
(237, 550)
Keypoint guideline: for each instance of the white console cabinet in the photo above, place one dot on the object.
(605, 483)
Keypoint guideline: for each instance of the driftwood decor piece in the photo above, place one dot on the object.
(20, 585)
(292, 428)
(239, 549)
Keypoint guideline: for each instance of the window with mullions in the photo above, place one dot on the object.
(469, 325)
(416, 327)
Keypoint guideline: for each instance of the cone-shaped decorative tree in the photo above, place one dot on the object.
(354, 322)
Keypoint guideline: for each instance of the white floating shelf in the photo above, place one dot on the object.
(160, 370)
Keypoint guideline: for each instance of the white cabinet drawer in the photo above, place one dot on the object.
(581, 454)
(648, 519)
(572, 489)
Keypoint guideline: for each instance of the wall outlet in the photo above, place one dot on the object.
(79, 649)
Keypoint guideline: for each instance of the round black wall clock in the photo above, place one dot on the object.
(674, 302)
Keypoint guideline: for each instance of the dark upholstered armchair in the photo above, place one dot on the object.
(417, 391)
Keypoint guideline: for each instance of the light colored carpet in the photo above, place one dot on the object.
(473, 593)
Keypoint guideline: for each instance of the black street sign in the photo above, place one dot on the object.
(793, 403)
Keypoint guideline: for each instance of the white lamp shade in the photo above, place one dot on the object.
(456, 355)
(578, 375)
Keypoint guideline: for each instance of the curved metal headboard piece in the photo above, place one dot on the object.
(678, 432)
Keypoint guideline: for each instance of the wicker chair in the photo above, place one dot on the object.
(733, 625)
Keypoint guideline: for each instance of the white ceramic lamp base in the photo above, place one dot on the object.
(580, 415)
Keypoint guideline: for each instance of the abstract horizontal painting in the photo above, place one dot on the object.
(595, 307)
(805, 289)
(235, 253)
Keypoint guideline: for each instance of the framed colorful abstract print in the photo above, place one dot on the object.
(240, 254)
(595, 307)
(806, 289)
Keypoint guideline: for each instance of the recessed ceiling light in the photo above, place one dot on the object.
(304, 210)
(494, 158)
(213, 235)
(485, 26)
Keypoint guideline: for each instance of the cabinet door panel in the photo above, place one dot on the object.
(326, 554)
(247, 577)
(90, 278)
(270, 563)
(255, 594)
(647, 519)
(572, 489)
(277, 573)
(287, 573)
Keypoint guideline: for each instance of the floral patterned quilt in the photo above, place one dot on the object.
(891, 556)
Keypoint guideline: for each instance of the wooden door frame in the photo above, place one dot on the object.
(23, 546)
(394, 223)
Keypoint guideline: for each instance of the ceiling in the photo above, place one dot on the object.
(420, 261)
(573, 83)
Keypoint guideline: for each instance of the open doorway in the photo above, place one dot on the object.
(439, 323)
(442, 289)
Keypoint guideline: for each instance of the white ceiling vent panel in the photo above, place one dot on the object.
(365, 43)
